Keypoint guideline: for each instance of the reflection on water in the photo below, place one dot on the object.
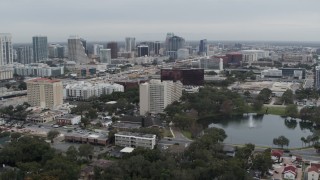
(262, 129)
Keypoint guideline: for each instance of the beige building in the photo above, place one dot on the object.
(155, 96)
(128, 139)
(45, 93)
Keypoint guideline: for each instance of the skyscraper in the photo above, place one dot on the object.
(114, 49)
(130, 44)
(25, 55)
(96, 49)
(40, 48)
(77, 50)
(6, 51)
(105, 56)
(143, 50)
(203, 47)
(156, 48)
(317, 78)
(174, 44)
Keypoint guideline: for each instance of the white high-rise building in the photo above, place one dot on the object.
(155, 96)
(317, 78)
(6, 56)
(130, 44)
(77, 50)
(105, 56)
(96, 49)
(6, 51)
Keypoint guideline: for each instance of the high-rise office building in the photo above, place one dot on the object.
(203, 47)
(169, 35)
(61, 50)
(188, 77)
(317, 78)
(96, 49)
(143, 50)
(77, 50)
(114, 49)
(130, 44)
(40, 48)
(6, 51)
(45, 93)
(174, 44)
(155, 95)
(156, 48)
(6, 56)
(105, 56)
(25, 55)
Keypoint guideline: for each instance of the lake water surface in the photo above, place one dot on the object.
(262, 129)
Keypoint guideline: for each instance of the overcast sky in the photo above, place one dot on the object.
(106, 20)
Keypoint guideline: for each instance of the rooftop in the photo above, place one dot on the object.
(44, 80)
(127, 150)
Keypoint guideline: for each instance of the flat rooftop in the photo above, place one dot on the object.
(136, 134)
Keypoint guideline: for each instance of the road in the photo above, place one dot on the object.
(178, 138)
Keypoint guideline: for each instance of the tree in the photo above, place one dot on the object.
(15, 136)
(317, 147)
(8, 86)
(281, 141)
(291, 110)
(72, 153)
(287, 97)
(22, 85)
(85, 150)
(52, 134)
(303, 140)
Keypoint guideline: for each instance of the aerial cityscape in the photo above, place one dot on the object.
(223, 90)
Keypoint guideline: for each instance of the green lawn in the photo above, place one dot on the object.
(167, 133)
(187, 134)
(271, 110)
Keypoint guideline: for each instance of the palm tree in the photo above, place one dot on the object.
(303, 139)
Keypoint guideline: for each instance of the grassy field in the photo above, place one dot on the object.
(167, 133)
(271, 110)
(187, 134)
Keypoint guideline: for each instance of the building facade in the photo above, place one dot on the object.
(114, 49)
(84, 90)
(77, 50)
(38, 70)
(128, 139)
(188, 77)
(6, 51)
(105, 56)
(40, 48)
(143, 50)
(45, 93)
(174, 44)
(203, 47)
(130, 44)
(155, 95)
(317, 78)
(25, 55)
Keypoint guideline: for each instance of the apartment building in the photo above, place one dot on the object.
(155, 96)
(128, 139)
(45, 93)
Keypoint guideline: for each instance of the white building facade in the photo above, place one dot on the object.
(128, 139)
(155, 96)
(84, 90)
(37, 70)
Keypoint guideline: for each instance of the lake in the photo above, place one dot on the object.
(262, 129)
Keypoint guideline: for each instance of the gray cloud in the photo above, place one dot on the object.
(101, 20)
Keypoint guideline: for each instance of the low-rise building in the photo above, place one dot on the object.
(128, 139)
(38, 70)
(83, 90)
(313, 173)
(289, 172)
(94, 139)
(68, 119)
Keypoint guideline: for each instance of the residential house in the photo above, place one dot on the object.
(313, 173)
(289, 172)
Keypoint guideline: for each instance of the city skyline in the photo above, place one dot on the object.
(252, 20)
